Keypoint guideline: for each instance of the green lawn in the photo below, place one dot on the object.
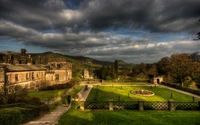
(131, 117)
(46, 94)
(123, 93)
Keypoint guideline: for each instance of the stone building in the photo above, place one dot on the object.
(59, 71)
(87, 74)
(155, 79)
(32, 77)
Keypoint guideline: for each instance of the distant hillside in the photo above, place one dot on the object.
(78, 62)
(88, 60)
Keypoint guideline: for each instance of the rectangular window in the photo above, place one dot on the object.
(16, 77)
(27, 76)
(33, 76)
(8, 79)
(57, 77)
(58, 66)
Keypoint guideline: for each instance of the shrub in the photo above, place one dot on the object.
(38, 110)
(26, 114)
(10, 117)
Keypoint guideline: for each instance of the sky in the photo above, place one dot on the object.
(134, 31)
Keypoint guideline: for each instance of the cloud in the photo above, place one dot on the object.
(89, 27)
(153, 15)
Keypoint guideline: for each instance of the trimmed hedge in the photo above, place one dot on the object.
(13, 105)
(197, 92)
(10, 117)
(21, 113)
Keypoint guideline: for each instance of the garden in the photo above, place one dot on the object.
(132, 117)
(123, 93)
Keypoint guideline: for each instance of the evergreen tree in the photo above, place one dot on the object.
(116, 68)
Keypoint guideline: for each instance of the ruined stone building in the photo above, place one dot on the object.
(87, 74)
(17, 58)
(19, 70)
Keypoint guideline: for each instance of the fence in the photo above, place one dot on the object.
(139, 105)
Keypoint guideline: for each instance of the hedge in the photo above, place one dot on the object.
(17, 115)
(10, 117)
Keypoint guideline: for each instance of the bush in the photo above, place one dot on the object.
(10, 117)
(27, 114)
(38, 110)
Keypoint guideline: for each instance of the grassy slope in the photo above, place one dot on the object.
(161, 94)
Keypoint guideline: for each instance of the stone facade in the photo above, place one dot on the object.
(33, 77)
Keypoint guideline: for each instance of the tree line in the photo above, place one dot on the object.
(180, 68)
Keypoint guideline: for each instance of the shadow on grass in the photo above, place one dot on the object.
(77, 117)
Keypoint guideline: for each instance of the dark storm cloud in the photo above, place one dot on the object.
(29, 36)
(36, 14)
(152, 15)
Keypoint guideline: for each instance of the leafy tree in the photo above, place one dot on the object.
(180, 66)
(195, 57)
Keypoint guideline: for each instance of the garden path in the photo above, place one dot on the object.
(50, 118)
(83, 94)
(184, 92)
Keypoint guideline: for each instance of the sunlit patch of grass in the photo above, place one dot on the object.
(123, 93)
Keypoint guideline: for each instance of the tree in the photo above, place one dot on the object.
(116, 67)
(195, 57)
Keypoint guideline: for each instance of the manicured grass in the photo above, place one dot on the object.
(132, 117)
(106, 93)
(46, 94)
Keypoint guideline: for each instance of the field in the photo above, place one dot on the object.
(122, 93)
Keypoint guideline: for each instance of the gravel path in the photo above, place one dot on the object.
(83, 94)
(184, 92)
(51, 118)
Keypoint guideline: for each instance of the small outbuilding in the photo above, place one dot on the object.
(155, 79)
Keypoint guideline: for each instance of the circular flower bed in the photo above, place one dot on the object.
(142, 92)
